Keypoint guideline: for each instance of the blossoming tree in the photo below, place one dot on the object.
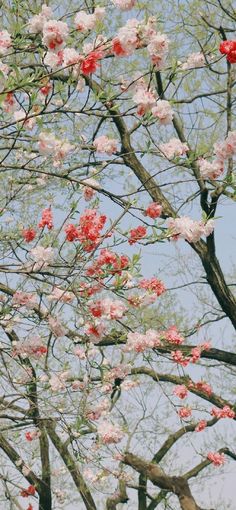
(117, 304)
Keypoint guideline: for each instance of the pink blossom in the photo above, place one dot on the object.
(61, 295)
(188, 229)
(38, 21)
(109, 433)
(127, 37)
(105, 145)
(226, 412)
(21, 116)
(9, 105)
(101, 409)
(145, 99)
(173, 148)
(26, 299)
(194, 60)
(172, 336)
(108, 309)
(3, 75)
(118, 372)
(158, 49)
(180, 391)
(54, 34)
(210, 170)
(124, 5)
(31, 436)
(185, 412)
(226, 149)
(179, 358)
(49, 145)
(204, 387)
(32, 347)
(163, 112)
(218, 459)
(56, 326)
(95, 331)
(153, 210)
(195, 354)
(58, 381)
(84, 21)
(153, 285)
(78, 351)
(201, 426)
(140, 342)
(5, 42)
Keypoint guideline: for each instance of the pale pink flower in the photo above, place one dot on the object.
(128, 36)
(70, 56)
(179, 358)
(163, 112)
(210, 170)
(56, 326)
(107, 308)
(188, 229)
(53, 60)
(105, 145)
(43, 257)
(5, 42)
(226, 149)
(109, 433)
(145, 100)
(218, 459)
(38, 21)
(185, 412)
(58, 381)
(140, 342)
(128, 384)
(180, 391)
(31, 347)
(194, 60)
(201, 426)
(21, 116)
(54, 34)
(124, 5)
(26, 299)
(158, 49)
(3, 75)
(173, 148)
(95, 331)
(78, 351)
(195, 354)
(101, 409)
(61, 295)
(84, 21)
(49, 145)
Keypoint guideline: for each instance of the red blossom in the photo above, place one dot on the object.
(90, 64)
(25, 493)
(72, 232)
(136, 234)
(46, 220)
(29, 234)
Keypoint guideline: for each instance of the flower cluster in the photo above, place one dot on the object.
(84, 21)
(32, 347)
(107, 309)
(222, 150)
(180, 391)
(188, 229)
(226, 412)
(139, 342)
(194, 60)
(105, 145)
(228, 48)
(153, 285)
(46, 220)
(124, 5)
(43, 257)
(153, 210)
(173, 148)
(31, 436)
(185, 412)
(30, 491)
(26, 299)
(218, 459)
(61, 295)
(136, 234)
(88, 231)
(49, 145)
(109, 433)
(5, 42)
(201, 426)
(38, 21)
